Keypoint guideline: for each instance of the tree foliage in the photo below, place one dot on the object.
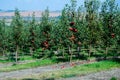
(94, 24)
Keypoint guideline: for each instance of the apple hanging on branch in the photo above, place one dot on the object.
(72, 38)
(79, 43)
(72, 23)
(45, 45)
(112, 35)
(73, 29)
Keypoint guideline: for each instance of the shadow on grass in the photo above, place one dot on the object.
(113, 78)
(68, 76)
(114, 58)
(29, 79)
(38, 79)
(49, 79)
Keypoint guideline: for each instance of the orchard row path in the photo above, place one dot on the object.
(103, 75)
(38, 70)
(55, 67)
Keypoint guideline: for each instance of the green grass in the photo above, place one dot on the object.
(23, 58)
(4, 61)
(79, 70)
(88, 68)
(113, 78)
(26, 58)
(27, 65)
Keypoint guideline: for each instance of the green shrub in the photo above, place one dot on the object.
(38, 53)
(113, 78)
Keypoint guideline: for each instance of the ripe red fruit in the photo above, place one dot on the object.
(73, 29)
(45, 42)
(79, 43)
(112, 35)
(72, 38)
(54, 67)
(72, 64)
(62, 67)
(72, 23)
(70, 28)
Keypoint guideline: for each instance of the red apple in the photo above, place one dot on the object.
(72, 23)
(72, 38)
(70, 28)
(72, 64)
(45, 42)
(112, 35)
(62, 67)
(54, 67)
(79, 43)
(74, 30)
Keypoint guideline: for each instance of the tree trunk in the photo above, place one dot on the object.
(16, 54)
(31, 51)
(3, 52)
(4, 48)
(106, 52)
(70, 51)
(63, 52)
(78, 51)
(89, 54)
(94, 52)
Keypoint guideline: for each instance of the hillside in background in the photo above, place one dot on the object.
(23, 13)
(27, 15)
